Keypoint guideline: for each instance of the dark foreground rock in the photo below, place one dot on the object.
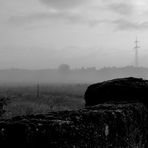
(102, 126)
(117, 91)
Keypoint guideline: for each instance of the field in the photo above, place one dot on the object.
(36, 99)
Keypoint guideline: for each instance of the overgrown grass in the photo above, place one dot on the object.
(23, 101)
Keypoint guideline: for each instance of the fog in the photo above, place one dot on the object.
(40, 35)
(65, 75)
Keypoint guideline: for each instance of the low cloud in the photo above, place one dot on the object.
(122, 24)
(58, 10)
(57, 16)
(63, 4)
(118, 24)
(121, 8)
(131, 14)
(126, 18)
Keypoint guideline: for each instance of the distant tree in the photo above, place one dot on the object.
(91, 69)
(64, 68)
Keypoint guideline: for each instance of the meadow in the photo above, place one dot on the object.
(43, 98)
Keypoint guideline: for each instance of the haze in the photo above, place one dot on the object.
(38, 34)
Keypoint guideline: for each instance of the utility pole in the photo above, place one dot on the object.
(136, 53)
(38, 91)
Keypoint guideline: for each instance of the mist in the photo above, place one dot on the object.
(41, 34)
(64, 74)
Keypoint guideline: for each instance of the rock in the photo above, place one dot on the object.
(117, 91)
(120, 124)
(101, 126)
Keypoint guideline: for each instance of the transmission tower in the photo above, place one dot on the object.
(136, 53)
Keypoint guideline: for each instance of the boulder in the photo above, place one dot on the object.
(117, 91)
(101, 126)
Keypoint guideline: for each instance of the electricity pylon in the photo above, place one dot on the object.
(136, 53)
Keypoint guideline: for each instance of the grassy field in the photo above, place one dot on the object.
(30, 99)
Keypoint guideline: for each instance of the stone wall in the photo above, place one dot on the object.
(119, 120)
(101, 126)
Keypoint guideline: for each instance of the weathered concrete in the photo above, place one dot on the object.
(101, 126)
(117, 91)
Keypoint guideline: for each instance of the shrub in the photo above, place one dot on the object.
(3, 102)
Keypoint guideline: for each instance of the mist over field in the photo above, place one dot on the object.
(65, 75)
(52, 50)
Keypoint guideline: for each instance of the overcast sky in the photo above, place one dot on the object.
(38, 34)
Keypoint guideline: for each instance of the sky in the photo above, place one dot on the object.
(39, 34)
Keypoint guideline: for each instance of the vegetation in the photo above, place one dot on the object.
(3, 102)
(55, 97)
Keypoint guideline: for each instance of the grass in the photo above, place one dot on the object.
(23, 100)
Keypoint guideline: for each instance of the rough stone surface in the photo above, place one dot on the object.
(117, 91)
(101, 126)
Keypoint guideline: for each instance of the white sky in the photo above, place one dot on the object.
(38, 34)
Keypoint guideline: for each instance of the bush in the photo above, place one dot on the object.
(3, 102)
(25, 108)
